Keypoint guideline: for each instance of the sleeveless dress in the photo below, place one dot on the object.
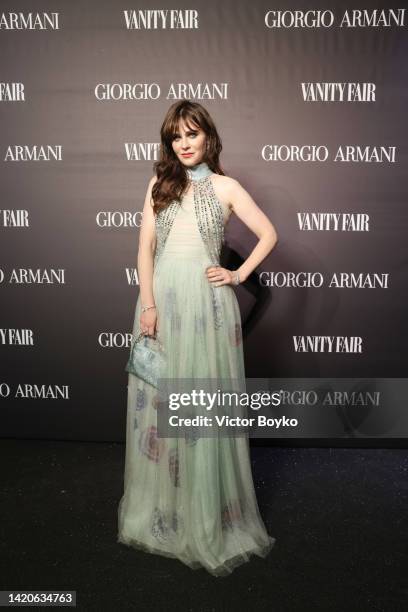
(193, 500)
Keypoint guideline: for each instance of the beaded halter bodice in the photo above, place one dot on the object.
(208, 212)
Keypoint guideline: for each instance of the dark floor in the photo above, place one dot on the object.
(339, 516)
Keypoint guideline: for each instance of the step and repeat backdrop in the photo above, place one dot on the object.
(310, 101)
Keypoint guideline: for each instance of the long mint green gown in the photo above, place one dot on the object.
(193, 500)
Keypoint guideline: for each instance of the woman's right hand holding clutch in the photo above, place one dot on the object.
(148, 322)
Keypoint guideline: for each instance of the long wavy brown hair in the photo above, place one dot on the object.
(172, 178)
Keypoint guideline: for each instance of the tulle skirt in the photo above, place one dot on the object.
(190, 499)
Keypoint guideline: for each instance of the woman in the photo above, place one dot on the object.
(192, 499)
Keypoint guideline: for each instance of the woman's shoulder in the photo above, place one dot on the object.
(223, 179)
(223, 186)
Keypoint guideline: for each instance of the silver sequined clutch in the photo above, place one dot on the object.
(147, 359)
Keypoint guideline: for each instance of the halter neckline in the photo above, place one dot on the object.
(199, 171)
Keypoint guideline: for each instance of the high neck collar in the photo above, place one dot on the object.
(199, 171)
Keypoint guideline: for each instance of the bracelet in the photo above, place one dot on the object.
(236, 280)
(144, 308)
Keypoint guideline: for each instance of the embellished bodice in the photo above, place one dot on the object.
(194, 226)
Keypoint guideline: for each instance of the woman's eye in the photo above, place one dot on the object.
(190, 136)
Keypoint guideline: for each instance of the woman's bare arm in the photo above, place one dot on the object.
(147, 247)
(247, 210)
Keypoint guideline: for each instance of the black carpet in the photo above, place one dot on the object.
(339, 516)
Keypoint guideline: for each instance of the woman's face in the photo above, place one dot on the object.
(189, 144)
